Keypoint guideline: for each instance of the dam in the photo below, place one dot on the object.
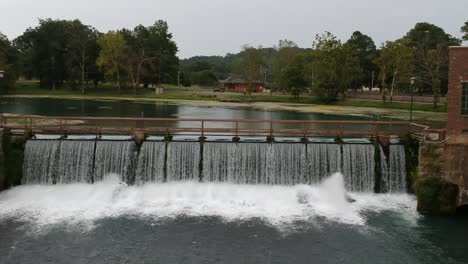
(56, 160)
(83, 179)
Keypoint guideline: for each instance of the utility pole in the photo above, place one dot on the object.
(412, 80)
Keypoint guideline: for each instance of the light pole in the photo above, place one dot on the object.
(412, 79)
(2, 73)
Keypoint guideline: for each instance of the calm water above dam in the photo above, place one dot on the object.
(64, 107)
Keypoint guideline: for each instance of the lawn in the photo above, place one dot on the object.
(173, 92)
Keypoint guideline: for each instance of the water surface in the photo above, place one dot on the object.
(191, 222)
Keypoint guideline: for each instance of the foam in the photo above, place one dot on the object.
(46, 205)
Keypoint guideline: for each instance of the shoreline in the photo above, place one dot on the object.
(400, 114)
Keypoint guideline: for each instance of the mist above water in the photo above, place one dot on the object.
(278, 205)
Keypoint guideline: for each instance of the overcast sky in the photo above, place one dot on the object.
(216, 27)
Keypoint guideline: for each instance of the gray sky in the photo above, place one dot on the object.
(215, 27)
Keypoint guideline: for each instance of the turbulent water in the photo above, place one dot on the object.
(85, 203)
(219, 220)
(180, 222)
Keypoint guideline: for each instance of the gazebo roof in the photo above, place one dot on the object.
(236, 79)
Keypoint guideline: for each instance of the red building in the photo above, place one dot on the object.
(238, 85)
(457, 98)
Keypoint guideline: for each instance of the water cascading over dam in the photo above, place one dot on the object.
(393, 169)
(151, 161)
(75, 160)
(40, 159)
(115, 156)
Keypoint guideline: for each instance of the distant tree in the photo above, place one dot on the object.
(58, 52)
(292, 77)
(464, 30)
(396, 61)
(431, 52)
(149, 49)
(46, 50)
(251, 64)
(367, 53)
(286, 50)
(335, 67)
(204, 78)
(82, 49)
(164, 63)
(8, 63)
(111, 57)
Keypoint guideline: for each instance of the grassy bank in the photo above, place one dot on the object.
(171, 92)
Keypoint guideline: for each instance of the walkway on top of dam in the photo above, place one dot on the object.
(226, 127)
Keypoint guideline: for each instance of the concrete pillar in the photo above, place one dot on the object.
(2, 162)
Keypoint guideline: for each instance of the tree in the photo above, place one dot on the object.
(82, 46)
(58, 52)
(111, 57)
(335, 67)
(396, 61)
(251, 64)
(164, 65)
(431, 52)
(204, 78)
(8, 64)
(286, 51)
(464, 30)
(292, 76)
(46, 46)
(367, 53)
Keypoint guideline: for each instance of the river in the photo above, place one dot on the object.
(192, 222)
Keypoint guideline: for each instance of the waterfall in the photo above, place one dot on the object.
(254, 163)
(80, 160)
(323, 161)
(183, 161)
(286, 164)
(358, 167)
(384, 171)
(151, 160)
(397, 168)
(249, 165)
(241, 163)
(393, 170)
(218, 161)
(40, 160)
(75, 163)
(115, 157)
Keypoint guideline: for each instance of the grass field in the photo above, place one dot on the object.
(172, 92)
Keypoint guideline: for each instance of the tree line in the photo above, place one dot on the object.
(68, 53)
(332, 67)
(64, 53)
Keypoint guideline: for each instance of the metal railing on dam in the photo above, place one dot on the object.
(202, 127)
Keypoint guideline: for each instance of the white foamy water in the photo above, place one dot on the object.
(85, 203)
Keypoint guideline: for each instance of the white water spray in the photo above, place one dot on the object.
(86, 203)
